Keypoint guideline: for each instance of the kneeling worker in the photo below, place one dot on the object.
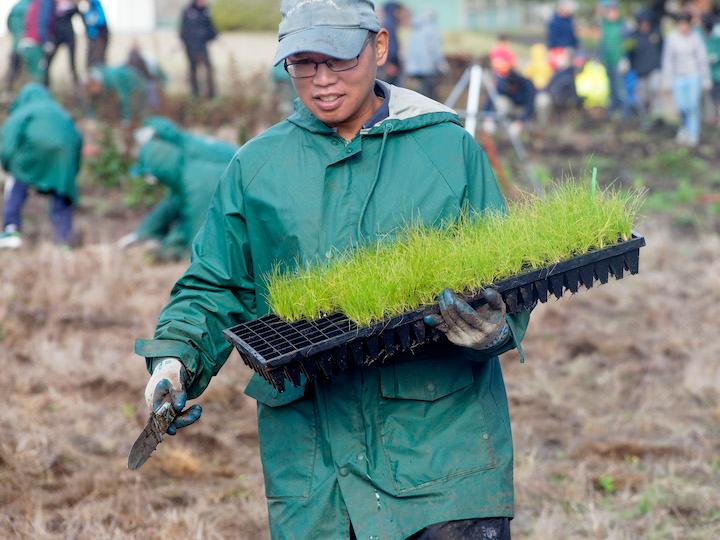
(190, 166)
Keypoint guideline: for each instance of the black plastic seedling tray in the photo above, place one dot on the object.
(279, 350)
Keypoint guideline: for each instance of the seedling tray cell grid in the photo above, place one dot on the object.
(283, 351)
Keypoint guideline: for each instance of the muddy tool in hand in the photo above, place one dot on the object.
(151, 436)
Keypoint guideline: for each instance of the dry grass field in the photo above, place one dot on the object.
(615, 415)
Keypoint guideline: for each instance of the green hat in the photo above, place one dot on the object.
(337, 28)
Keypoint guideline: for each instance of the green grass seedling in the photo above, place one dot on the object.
(386, 279)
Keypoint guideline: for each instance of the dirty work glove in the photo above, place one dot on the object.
(479, 329)
(168, 384)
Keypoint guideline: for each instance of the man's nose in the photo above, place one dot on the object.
(324, 76)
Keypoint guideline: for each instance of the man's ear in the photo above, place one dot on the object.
(382, 42)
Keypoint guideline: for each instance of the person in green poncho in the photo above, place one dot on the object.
(418, 448)
(16, 26)
(41, 148)
(612, 52)
(190, 166)
(127, 83)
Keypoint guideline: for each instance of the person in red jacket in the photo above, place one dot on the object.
(35, 43)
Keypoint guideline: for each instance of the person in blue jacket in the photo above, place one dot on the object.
(561, 29)
(97, 31)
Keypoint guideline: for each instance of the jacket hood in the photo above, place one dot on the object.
(30, 93)
(164, 129)
(161, 160)
(408, 111)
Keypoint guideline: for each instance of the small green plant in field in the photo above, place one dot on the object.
(386, 279)
(678, 164)
(606, 483)
(141, 194)
(684, 194)
(128, 410)
(110, 167)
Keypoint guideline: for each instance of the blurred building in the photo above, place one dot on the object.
(488, 15)
(124, 16)
(169, 12)
(130, 15)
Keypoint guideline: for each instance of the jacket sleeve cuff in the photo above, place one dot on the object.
(517, 325)
(153, 349)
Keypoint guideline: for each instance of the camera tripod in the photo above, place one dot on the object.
(474, 79)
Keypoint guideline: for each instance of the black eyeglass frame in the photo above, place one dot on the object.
(328, 62)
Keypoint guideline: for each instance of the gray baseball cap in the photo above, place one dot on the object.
(337, 28)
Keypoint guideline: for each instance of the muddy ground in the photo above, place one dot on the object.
(616, 414)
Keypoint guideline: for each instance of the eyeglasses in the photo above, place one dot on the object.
(304, 69)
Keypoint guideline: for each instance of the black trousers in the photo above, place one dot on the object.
(467, 529)
(198, 58)
(63, 34)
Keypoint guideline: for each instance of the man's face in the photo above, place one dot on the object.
(612, 14)
(201, 3)
(338, 97)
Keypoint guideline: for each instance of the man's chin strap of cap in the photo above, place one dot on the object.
(387, 128)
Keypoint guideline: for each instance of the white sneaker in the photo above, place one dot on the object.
(10, 240)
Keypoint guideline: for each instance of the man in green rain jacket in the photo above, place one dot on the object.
(190, 166)
(41, 148)
(418, 448)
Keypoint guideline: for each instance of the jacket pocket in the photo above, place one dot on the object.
(260, 390)
(287, 430)
(433, 424)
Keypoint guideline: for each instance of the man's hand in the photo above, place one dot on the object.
(167, 384)
(466, 327)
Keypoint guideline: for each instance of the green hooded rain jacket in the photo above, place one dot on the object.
(392, 448)
(129, 86)
(16, 22)
(40, 144)
(190, 166)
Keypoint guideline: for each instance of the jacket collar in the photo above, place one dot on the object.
(407, 110)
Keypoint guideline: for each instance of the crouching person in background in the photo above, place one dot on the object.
(190, 167)
(41, 148)
(516, 95)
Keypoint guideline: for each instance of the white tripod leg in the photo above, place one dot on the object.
(473, 109)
